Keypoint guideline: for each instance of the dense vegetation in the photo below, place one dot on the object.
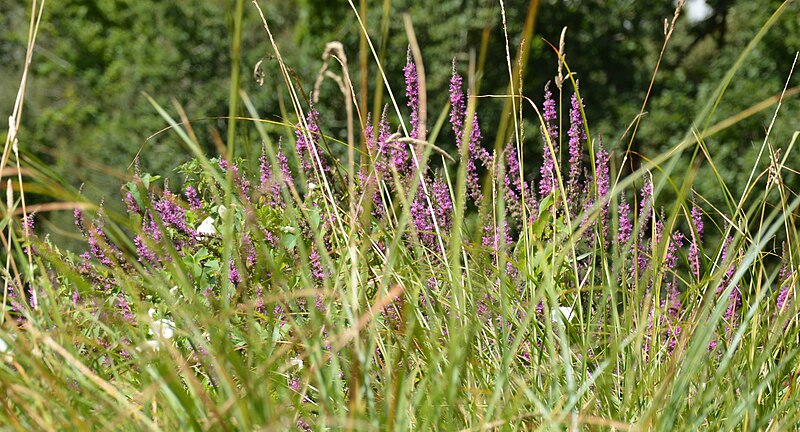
(407, 261)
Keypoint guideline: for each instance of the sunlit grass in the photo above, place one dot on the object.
(393, 290)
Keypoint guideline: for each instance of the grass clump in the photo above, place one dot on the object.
(403, 287)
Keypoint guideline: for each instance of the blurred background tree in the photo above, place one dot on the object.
(86, 115)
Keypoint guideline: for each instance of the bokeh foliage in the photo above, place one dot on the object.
(87, 115)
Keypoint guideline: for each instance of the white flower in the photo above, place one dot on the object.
(565, 311)
(163, 327)
(311, 185)
(221, 211)
(5, 350)
(150, 344)
(206, 228)
(297, 362)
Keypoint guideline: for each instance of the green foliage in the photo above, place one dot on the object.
(272, 303)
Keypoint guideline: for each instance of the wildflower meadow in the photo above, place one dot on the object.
(402, 272)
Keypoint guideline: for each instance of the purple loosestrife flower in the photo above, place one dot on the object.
(603, 182)
(97, 241)
(458, 109)
(251, 256)
(785, 280)
(32, 297)
(270, 182)
(125, 308)
(473, 182)
(29, 224)
(14, 300)
(392, 314)
(548, 169)
(474, 150)
(265, 171)
(308, 150)
(672, 251)
(646, 205)
(317, 272)
(294, 384)
(130, 204)
(259, 302)
(172, 215)
(697, 239)
(192, 197)
(423, 214)
(412, 93)
(146, 255)
(735, 296)
(420, 216)
(625, 229)
(645, 213)
(735, 300)
(79, 220)
(369, 137)
(492, 236)
(283, 161)
(731, 268)
(477, 151)
(241, 182)
(384, 132)
(443, 205)
(549, 113)
(577, 136)
(233, 274)
(150, 228)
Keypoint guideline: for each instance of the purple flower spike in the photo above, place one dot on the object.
(458, 110)
(307, 147)
(625, 224)
(549, 113)
(130, 204)
(443, 205)
(420, 216)
(603, 180)
(317, 272)
(412, 92)
(646, 204)
(697, 239)
(233, 274)
(125, 307)
(548, 182)
(146, 255)
(97, 241)
(577, 136)
(785, 279)
(735, 297)
(474, 150)
(473, 182)
(270, 185)
(79, 221)
(672, 250)
(172, 215)
(192, 197)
